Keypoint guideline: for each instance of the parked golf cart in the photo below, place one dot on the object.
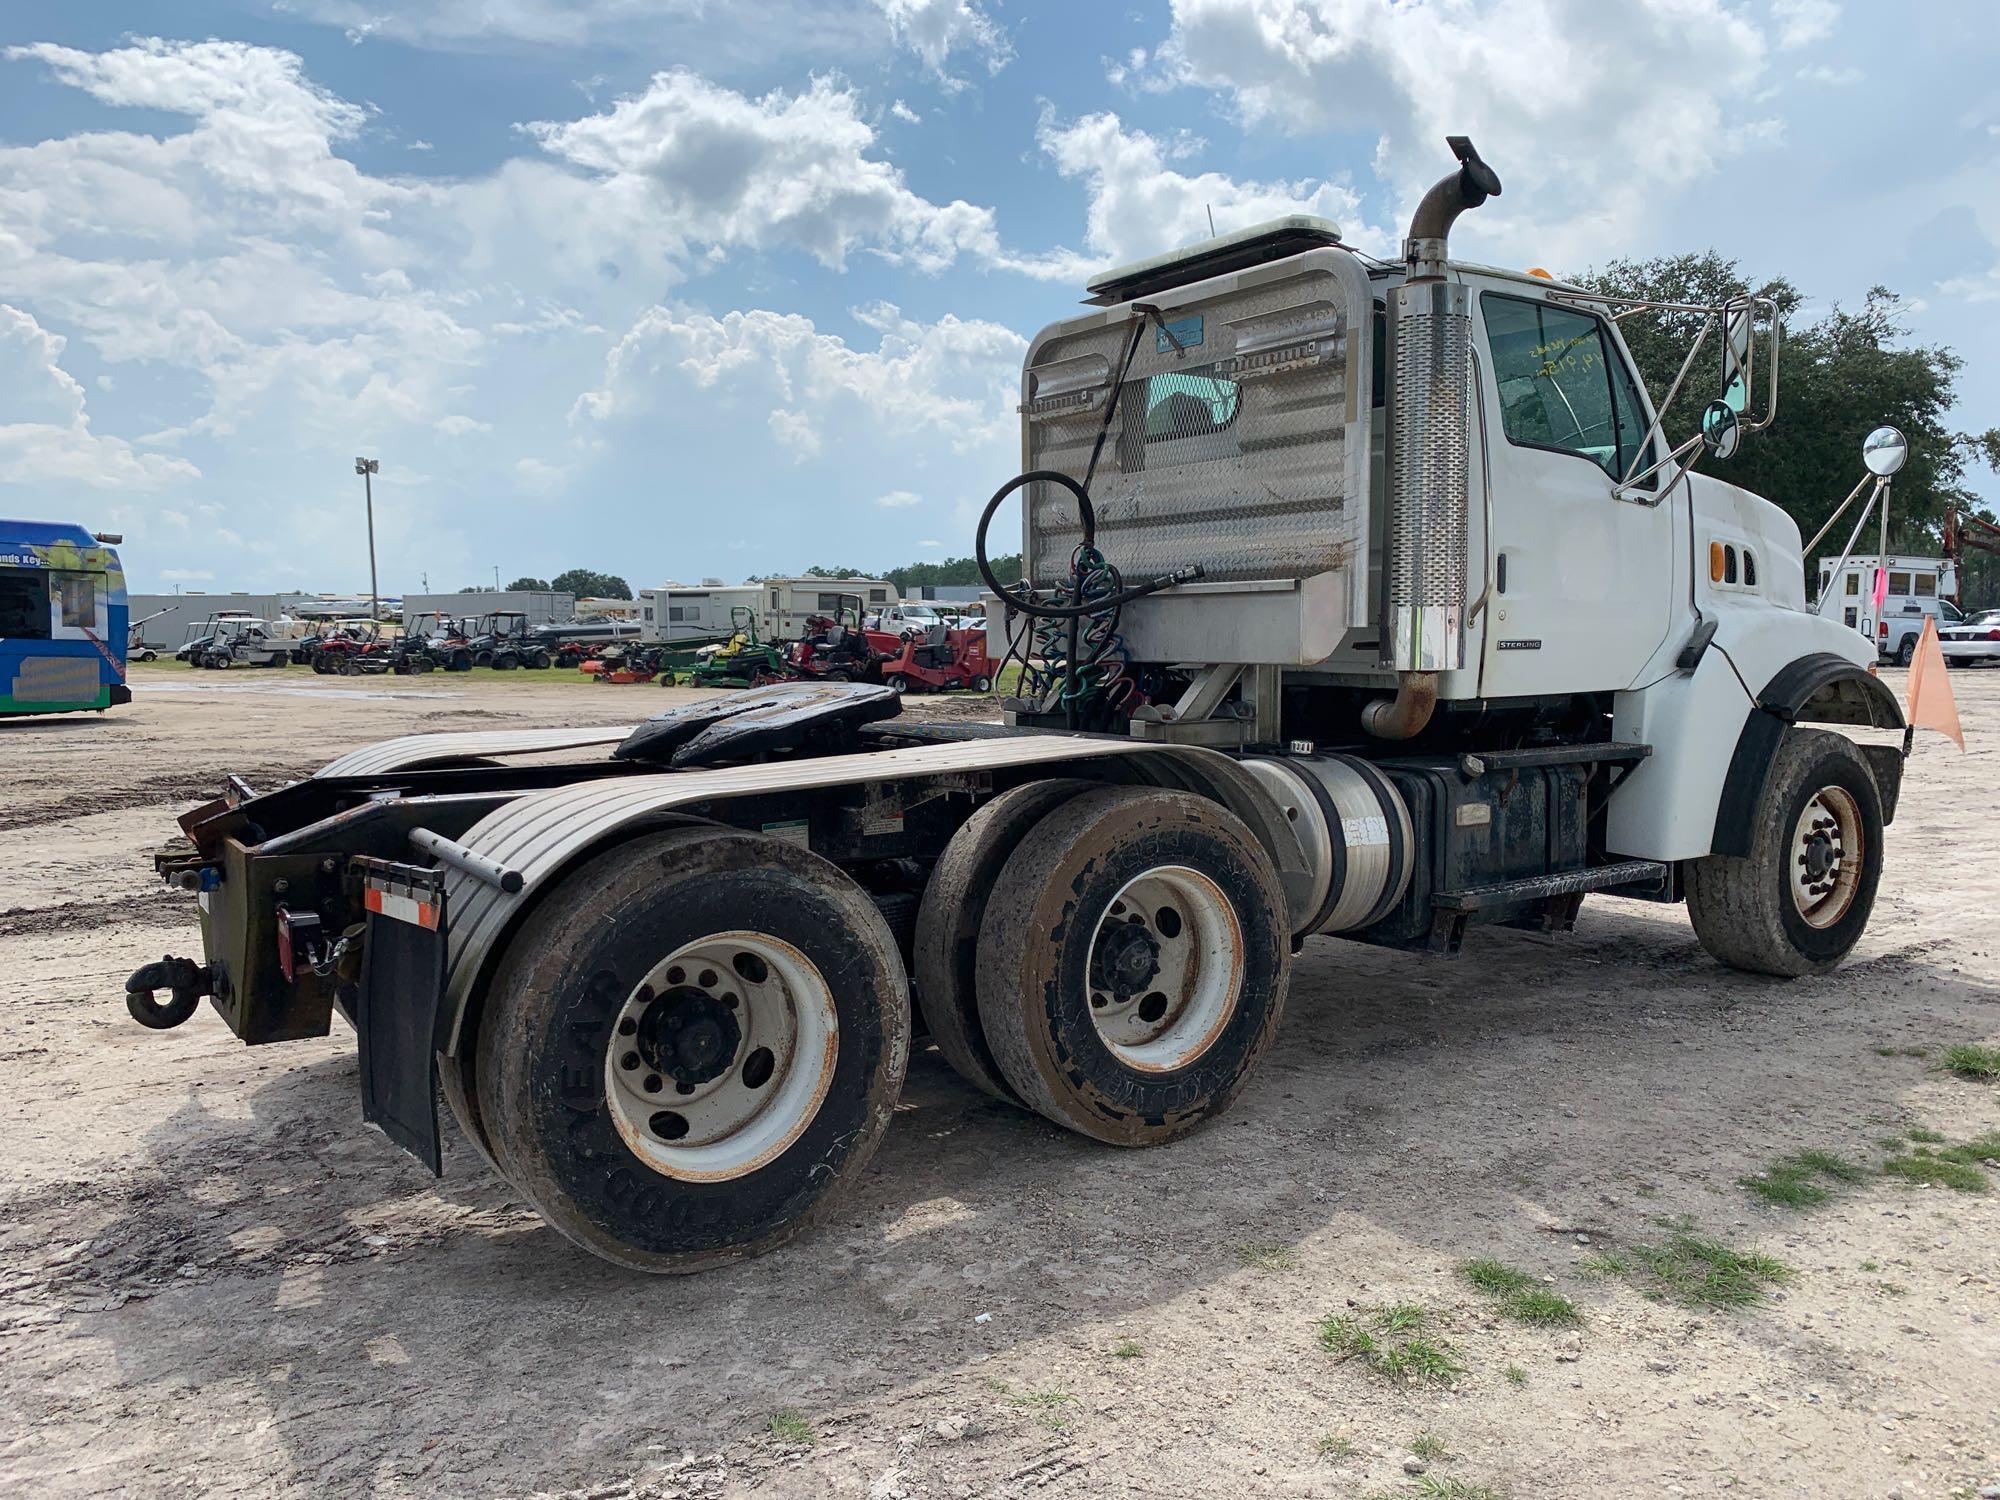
(241, 639)
(136, 648)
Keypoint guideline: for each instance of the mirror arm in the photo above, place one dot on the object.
(1840, 510)
(1848, 551)
(1672, 458)
(1658, 429)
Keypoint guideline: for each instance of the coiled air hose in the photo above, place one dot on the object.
(1090, 571)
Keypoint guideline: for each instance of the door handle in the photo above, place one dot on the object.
(1500, 572)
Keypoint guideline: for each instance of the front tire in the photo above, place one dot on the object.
(646, 1116)
(1133, 964)
(1907, 652)
(1799, 901)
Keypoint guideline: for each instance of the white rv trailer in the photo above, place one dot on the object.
(785, 604)
(692, 612)
(1920, 588)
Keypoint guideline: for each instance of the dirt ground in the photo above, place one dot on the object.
(214, 1281)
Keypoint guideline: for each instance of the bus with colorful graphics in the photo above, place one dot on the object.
(62, 619)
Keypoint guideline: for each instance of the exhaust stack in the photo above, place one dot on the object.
(1430, 452)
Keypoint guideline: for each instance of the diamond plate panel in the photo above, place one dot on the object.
(1230, 454)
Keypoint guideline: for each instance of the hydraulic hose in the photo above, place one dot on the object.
(1088, 514)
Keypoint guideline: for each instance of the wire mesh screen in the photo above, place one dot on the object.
(1228, 450)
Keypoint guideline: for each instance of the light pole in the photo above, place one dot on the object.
(367, 468)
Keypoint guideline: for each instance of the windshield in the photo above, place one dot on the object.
(1985, 617)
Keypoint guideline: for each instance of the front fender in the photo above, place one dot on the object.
(1820, 688)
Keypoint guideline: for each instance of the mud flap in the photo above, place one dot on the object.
(402, 982)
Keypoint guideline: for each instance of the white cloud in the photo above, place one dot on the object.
(1832, 77)
(899, 499)
(46, 438)
(957, 377)
(933, 543)
(457, 425)
(784, 171)
(540, 476)
(1803, 22)
(900, 111)
(1591, 113)
(1139, 206)
(934, 29)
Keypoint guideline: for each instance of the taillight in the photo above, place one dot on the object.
(1993, 635)
(1883, 630)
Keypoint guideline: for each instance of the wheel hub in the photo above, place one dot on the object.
(1826, 856)
(1124, 960)
(689, 1035)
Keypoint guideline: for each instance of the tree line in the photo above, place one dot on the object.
(1840, 376)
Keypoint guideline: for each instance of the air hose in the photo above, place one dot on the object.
(1091, 573)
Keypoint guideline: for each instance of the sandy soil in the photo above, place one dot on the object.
(214, 1281)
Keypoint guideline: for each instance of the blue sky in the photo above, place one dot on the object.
(680, 289)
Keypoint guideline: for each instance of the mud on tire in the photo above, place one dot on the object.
(947, 954)
(1133, 963)
(575, 1003)
(1798, 902)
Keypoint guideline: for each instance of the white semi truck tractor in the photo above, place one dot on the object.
(1366, 600)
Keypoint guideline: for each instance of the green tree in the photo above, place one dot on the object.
(529, 585)
(587, 584)
(1840, 376)
(954, 572)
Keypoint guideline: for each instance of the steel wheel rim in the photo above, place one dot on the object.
(707, 1100)
(1176, 922)
(1823, 864)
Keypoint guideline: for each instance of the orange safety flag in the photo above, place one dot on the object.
(1931, 703)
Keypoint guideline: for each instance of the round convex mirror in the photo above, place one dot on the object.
(1719, 430)
(1884, 451)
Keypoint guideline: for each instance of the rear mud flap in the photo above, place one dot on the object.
(402, 980)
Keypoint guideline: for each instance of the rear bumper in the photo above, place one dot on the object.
(1969, 650)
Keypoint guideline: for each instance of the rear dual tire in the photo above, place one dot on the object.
(634, 1079)
(1133, 964)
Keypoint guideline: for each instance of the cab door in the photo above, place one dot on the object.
(1581, 579)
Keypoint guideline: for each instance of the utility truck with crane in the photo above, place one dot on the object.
(1365, 600)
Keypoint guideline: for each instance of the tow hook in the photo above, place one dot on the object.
(188, 981)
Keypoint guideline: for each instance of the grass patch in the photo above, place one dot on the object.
(1333, 1445)
(1890, 1289)
(1795, 1181)
(1051, 1405)
(1387, 1342)
(1928, 1170)
(1516, 1375)
(1261, 1257)
(1605, 1265)
(1924, 1137)
(790, 1427)
(1522, 1298)
(1454, 1489)
(1491, 1276)
(1980, 1064)
(1541, 1308)
(1401, 1317)
(1699, 1272)
(1126, 1349)
(1981, 1148)
(1428, 1446)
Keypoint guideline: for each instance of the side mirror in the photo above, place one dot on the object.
(1884, 451)
(1719, 430)
(1739, 332)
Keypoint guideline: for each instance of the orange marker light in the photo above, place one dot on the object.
(1538, 272)
(1715, 562)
